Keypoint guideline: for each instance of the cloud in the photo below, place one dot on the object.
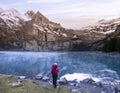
(45, 1)
(72, 22)
(86, 8)
(75, 15)
(78, 13)
(70, 13)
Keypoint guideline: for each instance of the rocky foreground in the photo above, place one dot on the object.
(14, 84)
(43, 84)
(87, 85)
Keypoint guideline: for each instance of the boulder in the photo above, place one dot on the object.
(98, 84)
(21, 77)
(117, 89)
(17, 84)
(75, 91)
(45, 78)
(39, 77)
(63, 81)
(73, 82)
(109, 89)
(88, 81)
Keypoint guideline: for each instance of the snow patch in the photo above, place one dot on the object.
(43, 29)
(63, 34)
(25, 18)
(108, 32)
(79, 77)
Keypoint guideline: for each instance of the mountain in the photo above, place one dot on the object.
(34, 32)
(99, 31)
(111, 32)
(111, 43)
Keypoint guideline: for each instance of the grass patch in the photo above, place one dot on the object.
(27, 86)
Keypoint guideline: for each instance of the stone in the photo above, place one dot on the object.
(97, 84)
(39, 77)
(63, 81)
(88, 81)
(117, 89)
(109, 89)
(45, 78)
(73, 82)
(75, 91)
(21, 77)
(17, 84)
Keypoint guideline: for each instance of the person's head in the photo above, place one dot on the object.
(54, 65)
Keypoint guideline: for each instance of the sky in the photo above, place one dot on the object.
(73, 14)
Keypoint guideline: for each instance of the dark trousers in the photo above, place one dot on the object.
(54, 80)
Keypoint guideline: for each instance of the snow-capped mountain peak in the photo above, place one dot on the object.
(12, 17)
(13, 13)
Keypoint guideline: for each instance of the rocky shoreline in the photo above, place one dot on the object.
(87, 85)
(18, 84)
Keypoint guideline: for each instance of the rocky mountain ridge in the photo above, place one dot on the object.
(111, 43)
(34, 32)
(31, 31)
(100, 30)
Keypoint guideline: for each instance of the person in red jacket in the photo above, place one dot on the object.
(54, 72)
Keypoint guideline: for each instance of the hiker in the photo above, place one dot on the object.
(54, 72)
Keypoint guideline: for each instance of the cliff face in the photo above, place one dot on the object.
(10, 29)
(112, 42)
(109, 44)
(99, 31)
(33, 32)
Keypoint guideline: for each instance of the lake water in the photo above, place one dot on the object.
(29, 64)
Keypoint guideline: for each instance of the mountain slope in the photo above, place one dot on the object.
(31, 31)
(112, 42)
(34, 32)
(109, 44)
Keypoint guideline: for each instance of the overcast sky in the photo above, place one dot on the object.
(69, 13)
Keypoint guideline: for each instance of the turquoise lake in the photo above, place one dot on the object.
(29, 64)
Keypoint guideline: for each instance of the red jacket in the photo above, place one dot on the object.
(54, 69)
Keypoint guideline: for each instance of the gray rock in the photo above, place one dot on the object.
(109, 89)
(98, 84)
(75, 91)
(73, 82)
(39, 77)
(17, 84)
(88, 81)
(63, 81)
(45, 78)
(21, 77)
(10, 76)
(117, 89)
